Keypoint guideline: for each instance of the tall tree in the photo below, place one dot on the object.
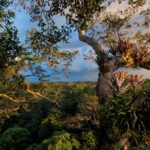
(116, 45)
(106, 32)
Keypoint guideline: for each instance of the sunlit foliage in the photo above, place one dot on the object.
(86, 116)
(79, 122)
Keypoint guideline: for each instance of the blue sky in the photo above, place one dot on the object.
(81, 70)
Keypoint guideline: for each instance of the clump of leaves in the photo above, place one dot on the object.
(87, 114)
(54, 119)
(88, 141)
(127, 116)
(130, 53)
(60, 140)
(15, 139)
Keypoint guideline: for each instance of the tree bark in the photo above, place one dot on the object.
(107, 68)
(104, 90)
(106, 65)
(93, 43)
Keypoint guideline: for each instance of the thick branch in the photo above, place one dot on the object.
(10, 98)
(37, 94)
(93, 43)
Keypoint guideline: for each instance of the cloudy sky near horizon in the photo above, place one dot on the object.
(81, 70)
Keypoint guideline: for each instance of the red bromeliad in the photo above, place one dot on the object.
(125, 82)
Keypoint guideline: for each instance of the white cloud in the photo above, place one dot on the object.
(79, 64)
(91, 75)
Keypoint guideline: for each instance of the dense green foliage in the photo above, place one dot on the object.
(68, 121)
(15, 138)
(60, 140)
(128, 114)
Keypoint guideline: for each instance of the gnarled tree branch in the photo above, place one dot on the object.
(93, 43)
(10, 98)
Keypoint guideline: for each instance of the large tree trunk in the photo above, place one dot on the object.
(106, 65)
(104, 90)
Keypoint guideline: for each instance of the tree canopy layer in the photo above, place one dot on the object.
(79, 122)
